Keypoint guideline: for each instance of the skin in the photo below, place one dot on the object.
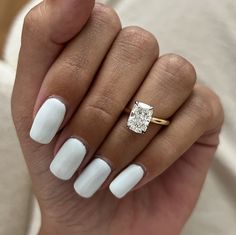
(59, 58)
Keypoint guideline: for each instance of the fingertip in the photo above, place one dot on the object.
(67, 18)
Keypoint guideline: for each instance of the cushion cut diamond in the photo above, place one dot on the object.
(140, 117)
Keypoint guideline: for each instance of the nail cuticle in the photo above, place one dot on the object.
(83, 141)
(145, 172)
(62, 100)
(102, 157)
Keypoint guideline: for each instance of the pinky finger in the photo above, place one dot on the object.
(198, 121)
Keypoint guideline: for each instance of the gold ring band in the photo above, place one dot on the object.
(159, 121)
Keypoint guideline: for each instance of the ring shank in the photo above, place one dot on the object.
(160, 121)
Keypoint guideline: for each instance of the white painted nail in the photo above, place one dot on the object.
(68, 159)
(126, 180)
(92, 178)
(48, 121)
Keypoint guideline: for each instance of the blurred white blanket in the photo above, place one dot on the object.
(202, 31)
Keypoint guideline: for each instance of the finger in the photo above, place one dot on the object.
(202, 114)
(174, 77)
(46, 28)
(70, 76)
(123, 71)
(166, 88)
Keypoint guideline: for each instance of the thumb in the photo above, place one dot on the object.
(64, 19)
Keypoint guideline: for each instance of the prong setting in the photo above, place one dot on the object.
(140, 117)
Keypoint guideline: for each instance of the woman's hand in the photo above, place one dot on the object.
(74, 81)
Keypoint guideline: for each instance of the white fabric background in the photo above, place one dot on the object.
(202, 31)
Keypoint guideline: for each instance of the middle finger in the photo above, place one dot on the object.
(122, 73)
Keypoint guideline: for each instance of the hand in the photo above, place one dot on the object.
(73, 83)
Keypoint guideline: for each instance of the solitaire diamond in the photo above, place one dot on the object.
(140, 117)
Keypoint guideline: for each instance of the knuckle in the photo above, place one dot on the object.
(106, 15)
(75, 64)
(101, 110)
(178, 70)
(31, 21)
(201, 106)
(214, 98)
(136, 43)
(139, 38)
(215, 106)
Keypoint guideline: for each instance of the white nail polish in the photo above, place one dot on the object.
(92, 178)
(68, 159)
(48, 121)
(126, 180)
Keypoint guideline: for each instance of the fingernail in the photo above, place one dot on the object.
(126, 180)
(48, 121)
(92, 178)
(68, 159)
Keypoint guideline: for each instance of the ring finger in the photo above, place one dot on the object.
(166, 88)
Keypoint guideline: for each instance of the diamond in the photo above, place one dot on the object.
(140, 117)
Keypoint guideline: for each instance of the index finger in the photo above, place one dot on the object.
(47, 27)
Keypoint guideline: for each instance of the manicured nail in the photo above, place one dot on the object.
(68, 159)
(126, 180)
(48, 121)
(92, 178)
